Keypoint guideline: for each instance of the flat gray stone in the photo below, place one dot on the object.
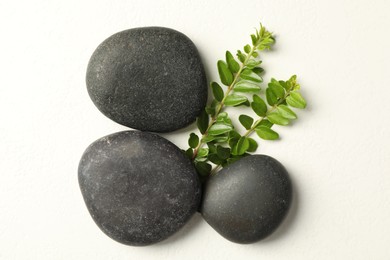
(247, 200)
(150, 79)
(138, 187)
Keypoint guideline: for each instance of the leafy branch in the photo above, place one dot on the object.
(242, 77)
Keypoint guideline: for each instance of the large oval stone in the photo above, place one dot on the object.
(247, 200)
(150, 78)
(138, 187)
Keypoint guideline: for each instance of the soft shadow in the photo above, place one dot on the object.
(186, 230)
(288, 222)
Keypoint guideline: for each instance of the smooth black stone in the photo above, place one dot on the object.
(150, 78)
(247, 200)
(138, 187)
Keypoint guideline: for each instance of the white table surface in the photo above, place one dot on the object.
(338, 152)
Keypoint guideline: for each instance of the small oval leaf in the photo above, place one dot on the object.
(223, 152)
(266, 133)
(271, 97)
(217, 91)
(247, 48)
(246, 87)
(277, 119)
(265, 123)
(225, 74)
(189, 153)
(234, 100)
(219, 128)
(214, 158)
(203, 152)
(286, 112)
(296, 100)
(246, 121)
(259, 106)
(241, 147)
(232, 63)
(241, 56)
(277, 89)
(203, 121)
(250, 75)
(252, 145)
(251, 64)
(193, 141)
(203, 168)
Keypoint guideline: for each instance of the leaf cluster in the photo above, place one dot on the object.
(241, 80)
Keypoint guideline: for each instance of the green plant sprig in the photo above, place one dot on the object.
(224, 144)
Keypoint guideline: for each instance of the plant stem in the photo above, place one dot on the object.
(216, 169)
(221, 105)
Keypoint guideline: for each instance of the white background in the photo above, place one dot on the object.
(338, 152)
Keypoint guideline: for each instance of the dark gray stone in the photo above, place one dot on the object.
(150, 78)
(138, 187)
(246, 201)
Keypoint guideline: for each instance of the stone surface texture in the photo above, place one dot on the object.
(138, 187)
(149, 78)
(246, 201)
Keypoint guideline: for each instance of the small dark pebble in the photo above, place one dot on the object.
(246, 201)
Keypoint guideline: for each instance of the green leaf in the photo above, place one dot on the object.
(233, 141)
(212, 148)
(203, 152)
(219, 128)
(241, 147)
(296, 100)
(277, 89)
(271, 97)
(266, 133)
(189, 153)
(217, 91)
(203, 121)
(234, 134)
(252, 145)
(286, 112)
(251, 64)
(234, 100)
(277, 119)
(258, 71)
(224, 73)
(214, 158)
(246, 87)
(283, 84)
(208, 138)
(258, 99)
(250, 75)
(232, 63)
(241, 56)
(223, 152)
(212, 108)
(221, 139)
(265, 123)
(224, 118)
(247, 48)
(210, 111)
(292, 83)
(259, 106)
(254, 39)
(193, 141)
(246, 121)
(203, 168)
